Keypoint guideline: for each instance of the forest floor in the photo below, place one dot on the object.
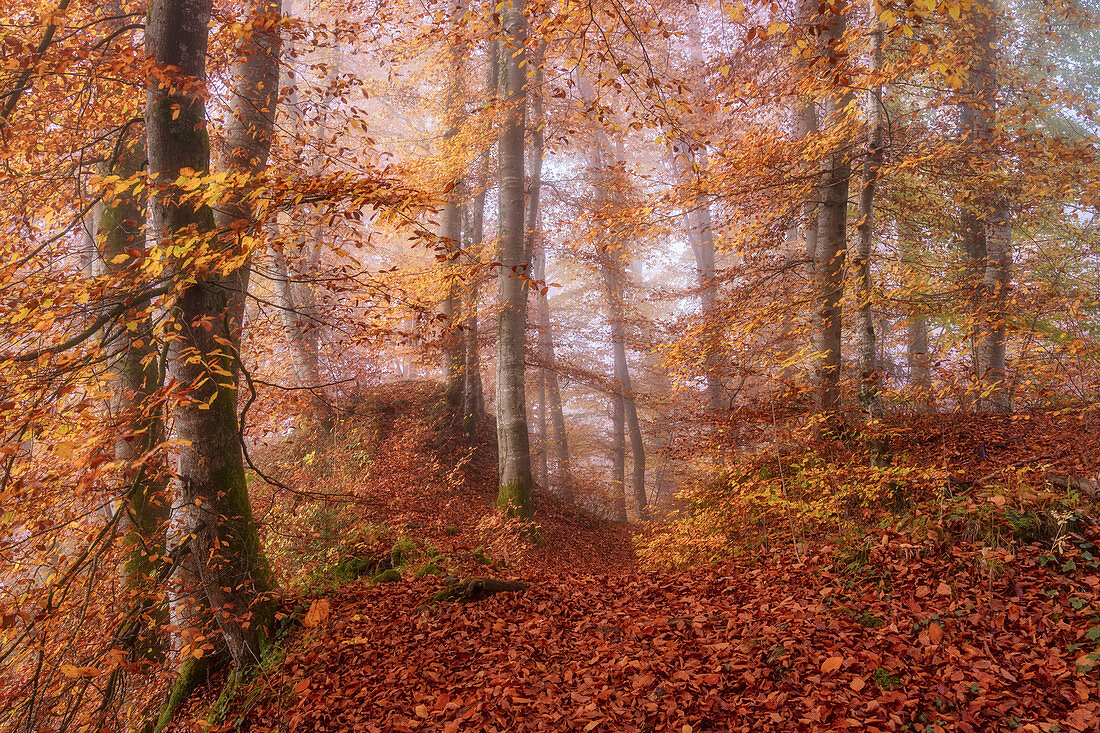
(930, 629)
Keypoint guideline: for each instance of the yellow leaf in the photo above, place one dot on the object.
(889, 18)
(953, 11)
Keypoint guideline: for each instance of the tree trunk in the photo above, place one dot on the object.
(832, 223)
(473, 399)
(700, 230)
(550, 394)
(117, 227)
(870, 381)
(618, 458)
(512, 439)
(450, 227)
(205, 357)
(298, 314)
(984, 216)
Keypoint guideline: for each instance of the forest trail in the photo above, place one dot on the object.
(906, 631)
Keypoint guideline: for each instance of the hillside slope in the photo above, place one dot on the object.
(916, 630)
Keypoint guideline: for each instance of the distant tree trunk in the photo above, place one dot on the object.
(473, 399)
(473, 394)
(870, 380)
(550, 406)
(512, 439)
(917, 354)
(542, 469)
(832, 224)
(700, 230)
(806, 125)
(118, 227)
(234, 573)
(533, 244)
(294, 291)
(454, 347)
(614, 291)
(618, 458)
(298, 313)
(984, 214)
(450, 224)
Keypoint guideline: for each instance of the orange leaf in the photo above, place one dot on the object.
(857, 684)
(318, 612)
(935, 633)
(831, 664)
(301, 687)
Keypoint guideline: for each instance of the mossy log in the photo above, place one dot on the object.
(478, 589)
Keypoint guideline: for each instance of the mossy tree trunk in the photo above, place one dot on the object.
(118, 231)
(233, 572)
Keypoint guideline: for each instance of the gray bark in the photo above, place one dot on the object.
(552, 403)
(205, 357)
(831, 250)
(985, 219)
(870, 379)
(513, 445)
(450, 229)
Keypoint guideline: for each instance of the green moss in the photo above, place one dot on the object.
(403, 551)
(515, 499)
(481, 557)
(429, 569)
(393, 575)
(192, 673)
(884, 679)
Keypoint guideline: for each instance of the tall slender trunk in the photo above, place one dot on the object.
(832, 224)
(473, 399)
(550, 393)
(513, 445)
(806, 124)
(533, 243)
(613, 288)
(298, 313)
(985, 217)
(618, 458)
(699, 226)
(450, 224)
(205, 360)
(870, 381)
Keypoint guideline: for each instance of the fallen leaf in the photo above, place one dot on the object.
(301, 686)
(935, 633)
(857, 683)
(319, 610)
(831, 664)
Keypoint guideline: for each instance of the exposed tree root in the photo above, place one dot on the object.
(477, 589)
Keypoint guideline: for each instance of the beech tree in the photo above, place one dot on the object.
(205, 353)
(513, 444)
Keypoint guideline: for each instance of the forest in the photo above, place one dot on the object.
(549, 365)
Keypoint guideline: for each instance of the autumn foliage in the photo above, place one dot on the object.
(549, 365)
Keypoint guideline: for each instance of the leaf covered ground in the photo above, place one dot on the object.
(924, 629)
